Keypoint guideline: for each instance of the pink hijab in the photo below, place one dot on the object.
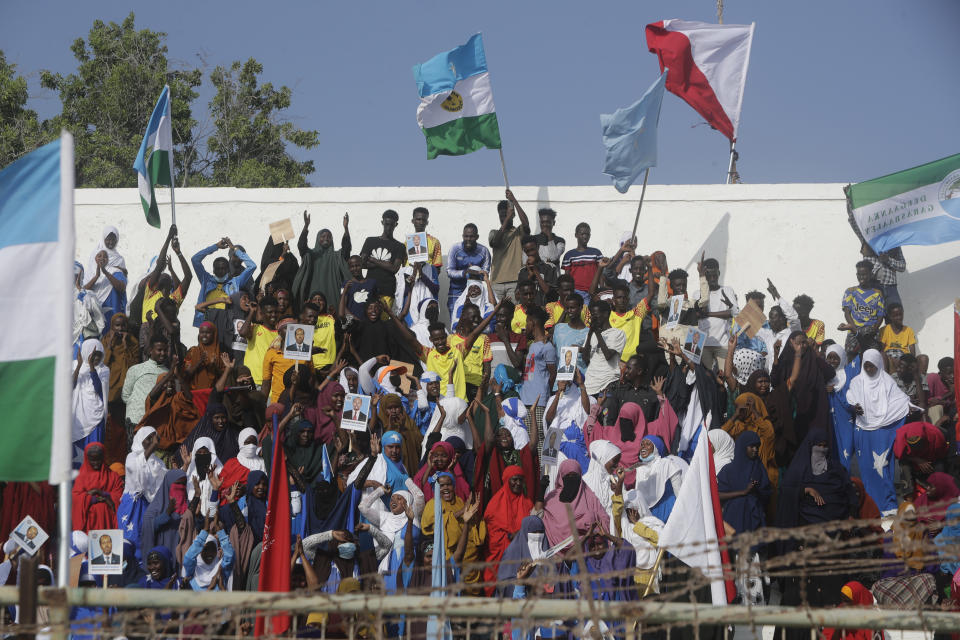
(324, 427)
(460, 486)
(586, 507)
(664, 426)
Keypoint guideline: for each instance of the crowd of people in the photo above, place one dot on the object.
(808, 424)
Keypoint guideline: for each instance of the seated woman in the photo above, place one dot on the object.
(571, 490)
(96, 492)
(659, 476)
(908, 580)
(853, 594)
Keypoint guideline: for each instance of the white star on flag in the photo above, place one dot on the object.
(130, 527)
(880, 462)
(77, 456)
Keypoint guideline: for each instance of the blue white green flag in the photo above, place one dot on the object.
(154, 162)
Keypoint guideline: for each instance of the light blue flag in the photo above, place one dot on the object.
(630, 137)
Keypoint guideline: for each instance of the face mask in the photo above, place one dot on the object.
(222, 279)
(347, 550)
(571, 487)
(649, 458)
(203, 463)
(248, 451)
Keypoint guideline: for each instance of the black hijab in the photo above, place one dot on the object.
(796, 508)
(225, 442)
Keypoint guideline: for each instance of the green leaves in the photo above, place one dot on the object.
(20, 131)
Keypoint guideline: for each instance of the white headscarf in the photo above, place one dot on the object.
(645, 550)
(597, 477)
(882, 400)
(249, 455)
(453, 407)
(143, 475)
(205, 487)
(205, 572)
(419, 323)
(482, 300)
(723, 448)
(346, 383)
(653, 476)
(89, 407)
(840, 378)
(515, 413)
(569, 409)
(79, 542)
(115, 262)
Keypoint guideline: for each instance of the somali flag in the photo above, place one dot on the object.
(630, 137)
(154, 163)
(36, 255)
(456, 111)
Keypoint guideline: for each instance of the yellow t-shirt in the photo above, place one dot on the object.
(629, 323)
(216, 293)
(897, 344)
(518, 324)
(441, 364)
(434, 252)
(151, 297)
(257, 347)
(274, 368)
(479, 353)
(555, 312)
(325, 336)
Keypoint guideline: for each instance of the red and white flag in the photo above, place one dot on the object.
(275, 556)
(708, 66)
(694, 529)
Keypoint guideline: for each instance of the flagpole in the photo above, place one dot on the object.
(503, 167)
(173, 177)
(643, 190)
(733, 155)
(653, 574)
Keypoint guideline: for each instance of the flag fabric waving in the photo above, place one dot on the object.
(695, 526)
(36, 255)
(708, 66)
(456, 111)
(630, 137)
(154, 162)
(275, 556)
(916, 206)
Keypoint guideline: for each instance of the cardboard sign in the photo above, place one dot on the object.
(105, 552)
(29, 536)
(281, 231)
(693, 344)
(678, 333)
(417, 247)
(750, 319)
(356, 412)
(299, 342)
(567, 366)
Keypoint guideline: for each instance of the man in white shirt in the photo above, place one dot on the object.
(602, 349)
(715, 314)
(781, 322)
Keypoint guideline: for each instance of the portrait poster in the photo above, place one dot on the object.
(356, 411)
(417, 247)
(298, 344)
(29, 535)
(567, 364)
(105, 552)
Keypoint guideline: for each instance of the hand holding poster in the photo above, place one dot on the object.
(105, 552)
(28, 535)
(298, 344)
(674, 310)
(693, 344)
(238, 343)
(750, 319)
(568, 363)
(417, 246)
(356, 411)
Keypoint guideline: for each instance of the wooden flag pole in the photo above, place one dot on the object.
(503, 167)
(643, 190)
(653, 574)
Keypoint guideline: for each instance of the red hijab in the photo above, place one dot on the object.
(460, 486)
(504, 514)
(931, 508)
(324, 426)
(90, 512)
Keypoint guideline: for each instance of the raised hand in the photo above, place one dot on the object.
(657, 385)
(215, 481)
(374, 444)
(306, 219)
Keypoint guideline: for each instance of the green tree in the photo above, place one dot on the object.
(108, 101)
(248, 145)
(20, 131)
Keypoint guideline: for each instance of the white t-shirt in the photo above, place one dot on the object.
(718, 329)
(601, 371)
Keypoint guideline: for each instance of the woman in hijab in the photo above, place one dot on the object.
(723, 448)
(948, 546)
(208, 563)
(143, 479)
(528, 545)
(504, 516)
(172, 413)
(201, 464)
(96, 492)
(108, 274)
(572, 491)
(642, 530)
(779, 406)
(161, 520)
(744, 486)
(450, 512)
(304, 453)
(393, 417)
(659, 476)
(322, 268)
(506, 445)
(449, 419)
(215, 426)
(424, 313)
(880, 407)
(909, 563)
(91, 387)
(751, 415)
(325, 413)
(442, 457)
(866, 507)
(856, 595)
(122, 351)
(935, 495)
(132, 571)
(475, 293)
(604, 460)
(349, 379)
(841, 415)
(161, 569)
(403, 512)
(631, 427)
(203, 365)
(801, 368)
(236, 470)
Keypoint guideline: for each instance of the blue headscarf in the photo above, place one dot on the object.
(745, 513)
(392, 437)
(574, 446)
(949, 537)
(657, 442)
(503, 378)
(147, 581)
(396, 473)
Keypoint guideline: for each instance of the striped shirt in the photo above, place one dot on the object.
(582, 265)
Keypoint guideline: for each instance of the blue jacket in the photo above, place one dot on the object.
(208, 283)
(190, 558)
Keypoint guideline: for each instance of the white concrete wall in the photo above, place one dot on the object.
(796, 234)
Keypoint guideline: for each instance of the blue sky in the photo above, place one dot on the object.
(836, 91)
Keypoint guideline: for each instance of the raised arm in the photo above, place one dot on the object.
(524, 222)
(187, 273)
(302, 242)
